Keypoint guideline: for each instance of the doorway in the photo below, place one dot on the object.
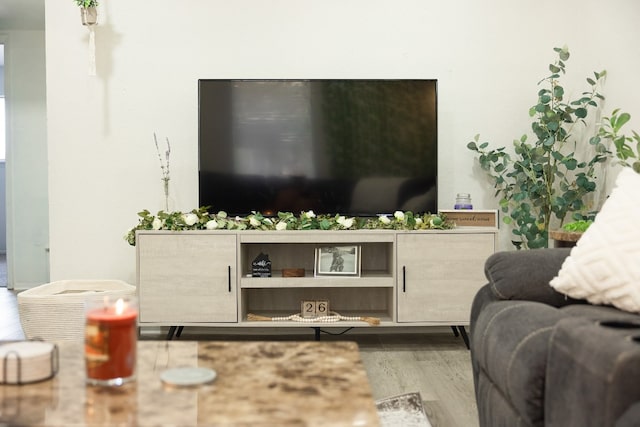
(3, 175)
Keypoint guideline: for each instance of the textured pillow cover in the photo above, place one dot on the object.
(604, 266)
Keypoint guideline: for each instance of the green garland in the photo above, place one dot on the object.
(201, 219)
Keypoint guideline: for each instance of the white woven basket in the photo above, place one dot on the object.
(55, 311)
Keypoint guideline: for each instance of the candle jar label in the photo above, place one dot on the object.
(111, 340)
(96, 346)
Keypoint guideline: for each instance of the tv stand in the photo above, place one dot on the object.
(407, 278)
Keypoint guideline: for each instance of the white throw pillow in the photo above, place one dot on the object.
(604, 266)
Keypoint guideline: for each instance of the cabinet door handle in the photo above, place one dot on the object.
(229, 276)
(404, 278)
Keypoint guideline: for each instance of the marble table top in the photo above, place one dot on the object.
(257, 384)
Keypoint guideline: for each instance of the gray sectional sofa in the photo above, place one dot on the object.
(542, 359)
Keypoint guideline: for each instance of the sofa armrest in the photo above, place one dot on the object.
(525, 275)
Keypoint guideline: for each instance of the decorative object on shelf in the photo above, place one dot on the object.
(337, 261)
(472, 218)
(293, 272)
(201, 219)
(261, 266)
(314, 308)
(331, 318)
(24, 362)
(463, 202)
(89, 17)
(548, 180)
(164, 168)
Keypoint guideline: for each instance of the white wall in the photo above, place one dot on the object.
(488, 57)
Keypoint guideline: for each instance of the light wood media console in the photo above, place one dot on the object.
(408, 278)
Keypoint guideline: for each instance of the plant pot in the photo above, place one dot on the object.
(565, 239)
(89, 15)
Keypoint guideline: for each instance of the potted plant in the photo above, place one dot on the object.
(546, 180)
(610, 129)
(88, 12)
(570, 233)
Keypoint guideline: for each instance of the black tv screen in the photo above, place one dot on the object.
(352, 147)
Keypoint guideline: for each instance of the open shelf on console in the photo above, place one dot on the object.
(361, 301)
(383, 316)
(376, 259)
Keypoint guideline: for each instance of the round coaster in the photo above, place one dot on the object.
(188, 376)
(27, 361)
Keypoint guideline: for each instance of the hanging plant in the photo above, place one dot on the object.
(88, 12)
(86, 3)
(89, 18)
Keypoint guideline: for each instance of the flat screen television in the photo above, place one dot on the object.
(351, 147)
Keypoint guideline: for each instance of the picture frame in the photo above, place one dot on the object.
(337, 261)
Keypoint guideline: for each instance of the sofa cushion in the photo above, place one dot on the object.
(599, 312)
(593, 371)
(525, 275)
(509, 344)
(604, 266)
(494, 408)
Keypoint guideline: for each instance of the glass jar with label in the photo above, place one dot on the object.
(463, 201)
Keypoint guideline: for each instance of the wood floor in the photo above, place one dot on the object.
(435, 364)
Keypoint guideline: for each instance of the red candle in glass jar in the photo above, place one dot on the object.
(110, 341)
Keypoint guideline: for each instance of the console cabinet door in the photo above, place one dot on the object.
(185, 278)
(439, 275)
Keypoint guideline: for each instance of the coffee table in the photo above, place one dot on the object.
(258, 383)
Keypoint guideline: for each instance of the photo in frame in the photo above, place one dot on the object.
(338, 261)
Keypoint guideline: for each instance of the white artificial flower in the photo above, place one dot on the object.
(345, 222)
(254, 221)
(190, 218)
(384, 219)
(281, 226)
(418, 221)
(399, 215)
(156, 224)
(211, 224)
(268, 221)
(310, 214)
(222, 214)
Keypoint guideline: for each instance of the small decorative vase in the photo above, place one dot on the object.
(89, 15)
(168, 204)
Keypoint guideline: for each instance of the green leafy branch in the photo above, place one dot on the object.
(545, 179)
(611, 129)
